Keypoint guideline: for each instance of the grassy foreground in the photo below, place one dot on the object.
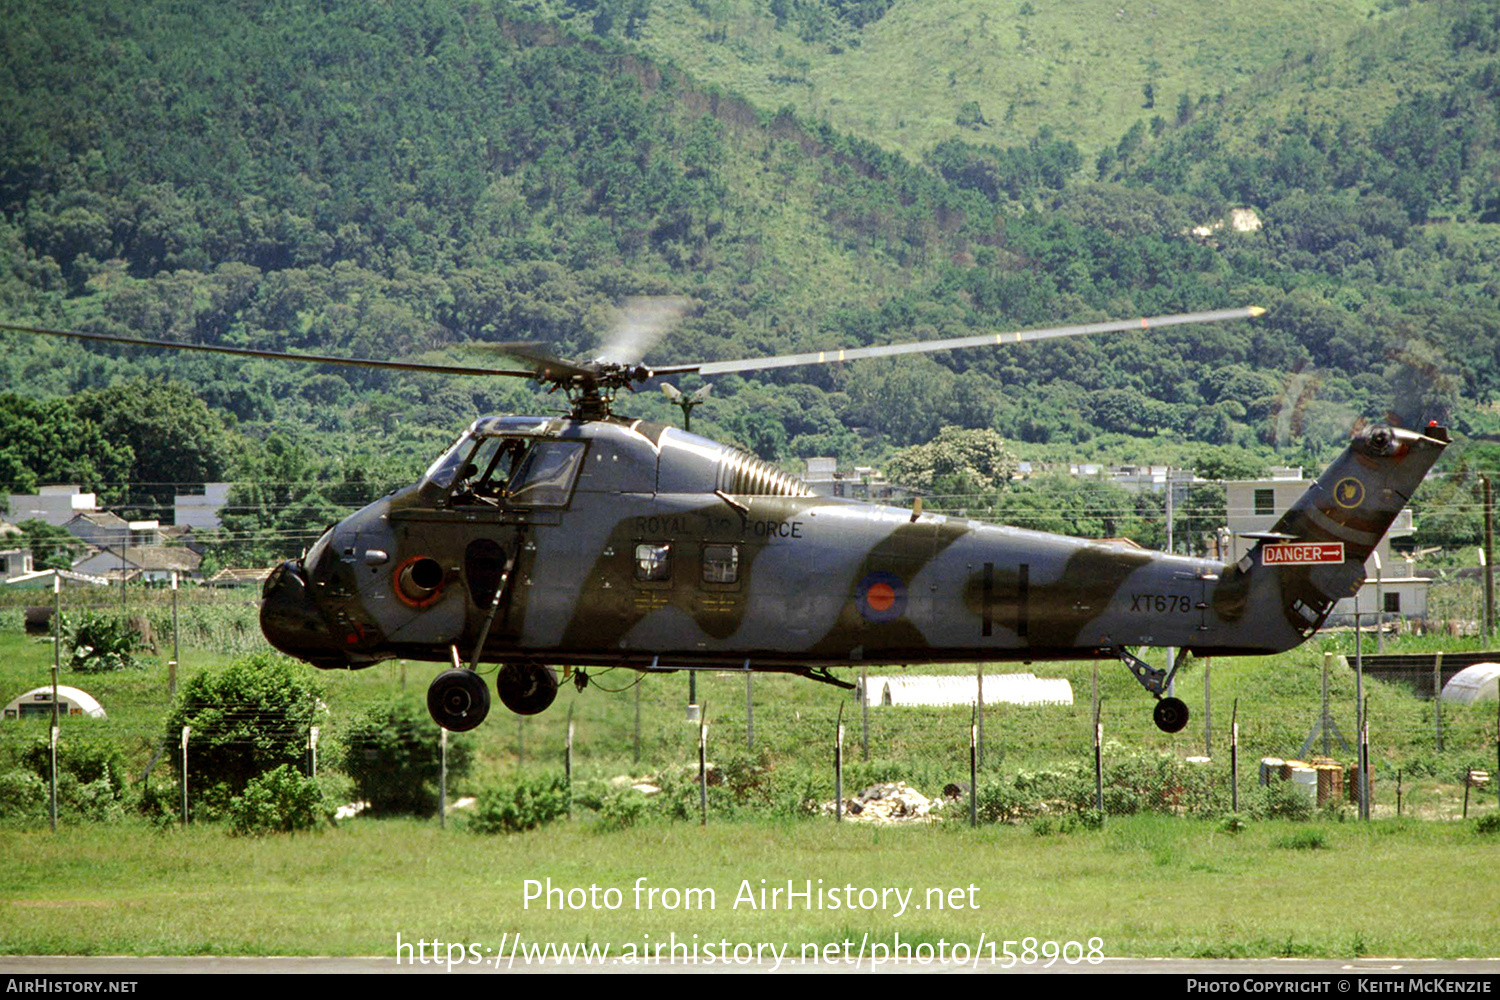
(1144, 885)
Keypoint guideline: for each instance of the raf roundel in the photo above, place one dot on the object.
(881, 597)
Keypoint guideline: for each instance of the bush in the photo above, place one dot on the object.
(523, 804)
(394, 755)
(23, 795)
(279, 801)
(620, 809)
(999, 801)
(102, 642)
(250, 718)
(90, 779)
(1281, 800)
(87, 761)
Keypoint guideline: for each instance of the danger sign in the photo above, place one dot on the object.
(1302, 553)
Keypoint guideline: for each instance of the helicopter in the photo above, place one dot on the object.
(591, 540)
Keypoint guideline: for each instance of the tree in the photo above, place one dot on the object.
(245, 720)
(393, 754)
(176, 439)
(957, 461)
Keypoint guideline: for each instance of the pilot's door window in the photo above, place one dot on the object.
(486, 477)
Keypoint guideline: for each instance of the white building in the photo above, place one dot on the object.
(201, 510)
(57, 505)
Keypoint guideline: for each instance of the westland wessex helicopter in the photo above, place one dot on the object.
(595, 540)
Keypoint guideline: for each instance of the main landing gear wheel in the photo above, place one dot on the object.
(1171, 715)
(526, 688)
(458, 700)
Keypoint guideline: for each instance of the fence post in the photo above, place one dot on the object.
(838, 768)
(172, 666)
(56, 666)
(864, 697)
(703, 767)
(185, 731)
(1098, 765)
(442, 778)
(312, 752)
(749, 709)
(1437, 697)
(974, 725)
(979, 721)
(54, 768)
(1234, 757)
(568, 761)
(1364, 762)
(1208, 727)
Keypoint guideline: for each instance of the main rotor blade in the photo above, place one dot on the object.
(954, 343)
(545, 365)
(250, 352)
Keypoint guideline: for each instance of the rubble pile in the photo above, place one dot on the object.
(890, 802)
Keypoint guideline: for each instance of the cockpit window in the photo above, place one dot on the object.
(446, 467)
(546, 475)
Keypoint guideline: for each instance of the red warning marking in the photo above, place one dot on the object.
(1302, 553)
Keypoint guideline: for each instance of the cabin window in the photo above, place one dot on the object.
(546, 475)
(653, 562)
(1265, 502)
(721, 563)
(1392, 602)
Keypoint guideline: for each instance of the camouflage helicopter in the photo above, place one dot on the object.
(594, 540)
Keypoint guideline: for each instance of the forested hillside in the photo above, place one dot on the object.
(396, 180)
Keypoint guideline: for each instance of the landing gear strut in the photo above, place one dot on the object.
(458, 700)
(526, 688)
(1170, 714)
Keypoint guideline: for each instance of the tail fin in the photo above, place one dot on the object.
(1316, 552)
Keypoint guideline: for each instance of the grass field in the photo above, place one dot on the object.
(1143, 884)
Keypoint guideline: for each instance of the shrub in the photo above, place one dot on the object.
(394, 755)
(999, 801)
(1281, 800)
(1488, 824)
(247, 719)
(620, 809)
(279, 801)
(90, 778)
(102, 642)
(87, 761)
(23, 795)
(523, 804)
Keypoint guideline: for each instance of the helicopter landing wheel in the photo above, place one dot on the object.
(526, 688)
(458, 700)
(1171, 715)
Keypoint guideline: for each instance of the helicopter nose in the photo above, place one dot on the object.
(291, 620)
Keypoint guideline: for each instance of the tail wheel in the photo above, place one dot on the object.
(1171, 715)
(526, 688)
(458, 700)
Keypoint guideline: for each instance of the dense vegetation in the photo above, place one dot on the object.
(394, 181)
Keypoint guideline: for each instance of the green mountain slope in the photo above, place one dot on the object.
(395, 181)
(1081, 69)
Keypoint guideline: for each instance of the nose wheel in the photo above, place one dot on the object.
(458, 700)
